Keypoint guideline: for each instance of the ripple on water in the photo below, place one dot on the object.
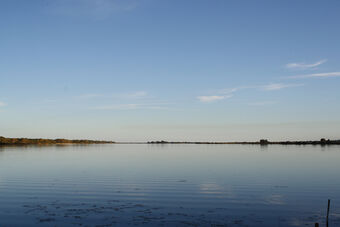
(126, 185)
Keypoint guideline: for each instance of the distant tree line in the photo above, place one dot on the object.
(26, 141)
(261, 142)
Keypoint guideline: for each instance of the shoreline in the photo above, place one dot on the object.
(26, 141)
(263, 142)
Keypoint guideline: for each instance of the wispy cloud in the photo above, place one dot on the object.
(100, 9)
(89, 96)
(124, 101)
(2, 104)
(302, 65)
(212, 98)
(132, 106)
(228, 93)
(316, 75)
(136, 95)
(129, 95)
(266, 87)
(263, 103)
(278, 86)
(235, 89)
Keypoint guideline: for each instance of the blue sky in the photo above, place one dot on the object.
(138, 70)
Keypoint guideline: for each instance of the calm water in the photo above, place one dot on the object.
(169, 185)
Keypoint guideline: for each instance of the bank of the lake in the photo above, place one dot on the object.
(40, 141)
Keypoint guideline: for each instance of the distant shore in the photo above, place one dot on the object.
(261, 142)
(26, 141)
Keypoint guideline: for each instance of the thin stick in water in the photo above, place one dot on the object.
(329, 203)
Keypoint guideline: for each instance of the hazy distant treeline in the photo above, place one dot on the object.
(261, 142)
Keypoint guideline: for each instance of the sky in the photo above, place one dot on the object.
(176, 70)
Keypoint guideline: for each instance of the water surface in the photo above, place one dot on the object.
(169, 185)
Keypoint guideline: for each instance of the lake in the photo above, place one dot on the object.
(169, 185)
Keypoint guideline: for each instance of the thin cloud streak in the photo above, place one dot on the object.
(278, 86)
(99, 9)
(304, 65)
(136, 95)
(89, 96)
(118, 107)
(235, 89)
(125, 101)
(212, 98)
(316, 75)
(132, 95)
(132, 106)
(265, 103)
(228, 93)
(268, 87)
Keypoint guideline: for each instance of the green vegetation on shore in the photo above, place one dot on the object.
(26, 141)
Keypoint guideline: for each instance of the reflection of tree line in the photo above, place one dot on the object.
(261, 142)
(25, 141)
